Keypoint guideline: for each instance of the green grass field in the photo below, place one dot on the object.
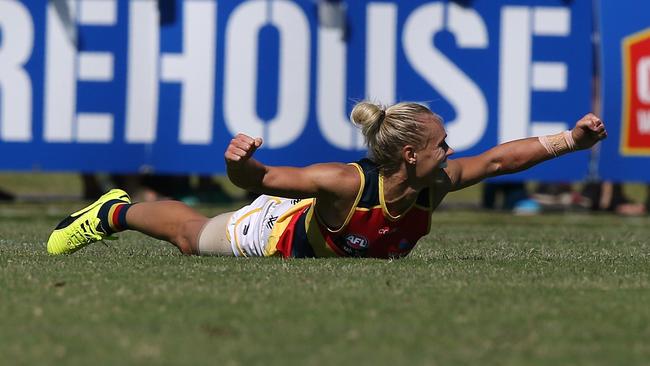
(481, 289)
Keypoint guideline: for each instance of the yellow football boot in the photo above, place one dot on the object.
(82, 227)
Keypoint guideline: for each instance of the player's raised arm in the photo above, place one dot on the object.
(515, 156)
(328, 180)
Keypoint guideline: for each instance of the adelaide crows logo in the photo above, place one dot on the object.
(635, 132)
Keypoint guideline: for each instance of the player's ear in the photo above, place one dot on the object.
(408, 154)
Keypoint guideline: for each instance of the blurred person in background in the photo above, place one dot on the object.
(604, 195)
(154, 187)
(514, 197)
(6, 196)
(610, 197)
(595, 195)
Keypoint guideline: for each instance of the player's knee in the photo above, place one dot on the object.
(186, 239)
(184, 246)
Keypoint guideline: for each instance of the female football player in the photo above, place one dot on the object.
(377, 207)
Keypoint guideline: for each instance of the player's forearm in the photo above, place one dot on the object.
(248, 175)
(518, 155)
(522, 154)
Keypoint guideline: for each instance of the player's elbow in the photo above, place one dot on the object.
(494, 168)
(507, 166)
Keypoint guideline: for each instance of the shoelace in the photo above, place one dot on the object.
(85, 234)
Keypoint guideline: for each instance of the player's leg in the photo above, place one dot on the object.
(214, 238)
(172, 221)
(190, 231)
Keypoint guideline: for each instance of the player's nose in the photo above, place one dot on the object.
(450, 152)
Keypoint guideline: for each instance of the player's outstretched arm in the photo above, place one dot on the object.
(329, 180)
(515, 156)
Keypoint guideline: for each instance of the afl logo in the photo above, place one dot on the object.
(356, 242)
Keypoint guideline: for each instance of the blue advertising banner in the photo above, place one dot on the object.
(147, 85)
(625, 53)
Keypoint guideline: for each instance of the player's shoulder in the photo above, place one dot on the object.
(338, 177)
(340, 170)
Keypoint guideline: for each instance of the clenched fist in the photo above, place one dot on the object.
(241, 148)
(588, 131)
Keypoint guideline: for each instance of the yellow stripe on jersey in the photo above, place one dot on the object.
(352, 209)
(312, 222)
(430, 208)
(280, 226)
(315, 237)
(382, 203)
(379, 206)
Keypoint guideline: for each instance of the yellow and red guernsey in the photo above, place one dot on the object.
(369, 230)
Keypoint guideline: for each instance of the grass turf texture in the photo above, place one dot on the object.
(483, 288)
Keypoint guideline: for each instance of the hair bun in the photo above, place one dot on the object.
(368, 116)
(382, 115)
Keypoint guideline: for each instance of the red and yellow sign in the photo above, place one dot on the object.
(635, 136)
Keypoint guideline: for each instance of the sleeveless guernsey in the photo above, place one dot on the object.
(369, 230)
